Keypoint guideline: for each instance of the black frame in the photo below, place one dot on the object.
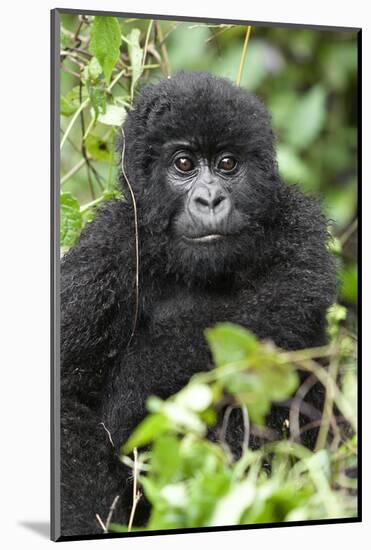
(55, 272)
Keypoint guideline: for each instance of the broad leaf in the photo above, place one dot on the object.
(105, 41)
(196, 397)
(71, 219)
(136, 57)
(97, 96)
(150, 428)
(230, 343)
(98, 148)
(307, 118)
(71, 101)
(94, 69)
(113, 116)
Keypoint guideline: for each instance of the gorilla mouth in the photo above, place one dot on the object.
(205, 238)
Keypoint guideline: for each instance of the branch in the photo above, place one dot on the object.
(243, 56)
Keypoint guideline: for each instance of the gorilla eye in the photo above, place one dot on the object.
(184, 164)
(227, 164)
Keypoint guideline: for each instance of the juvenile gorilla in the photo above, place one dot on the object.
(221, 238)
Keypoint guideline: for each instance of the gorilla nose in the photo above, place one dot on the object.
(210, 203)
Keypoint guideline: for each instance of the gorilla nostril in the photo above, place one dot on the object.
(217, 201)
(202, 202)
(210, 204)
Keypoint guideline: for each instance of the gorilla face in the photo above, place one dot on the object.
(221, 199)
(208, 214)
(204, 154)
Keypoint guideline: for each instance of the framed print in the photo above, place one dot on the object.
(205, 274)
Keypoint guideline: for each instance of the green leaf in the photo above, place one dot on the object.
(230, 343)
(260, 376)
(66, 38)
(166, 461)
(335, 314)
(136, 57)
(349, 289)
(175, 495)
(105, 41)
(94, 69)
(154, 404)
(97, 96)
(307, 118)
(71, 101)
(182, 418)
(71, 219)
(196, 397)
(113, 116)
(275, 501)
(206, 489)
(292, 168)
(98, 148)
(230, 508)
(150, 428)
(111, 194)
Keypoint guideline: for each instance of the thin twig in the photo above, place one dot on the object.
(327, 381)
(76, 37)
(309, 353)
(136, 311)
(264, 433)
(246, 426)
(223, 429)
(348, 232)
(243, 56)
(145, 49)
(73, 171)
(91, 204)
(116, 79)
(72, 73)
(136, 493)
(111, 510)
(296, 406)
(73, 120)
(327, 408)
(166, 62)
(221, 31)
(83, 147)
(108, 433)
(168, 33)
(88, 129)
(100, 521)
(73, 58)
(152, 50)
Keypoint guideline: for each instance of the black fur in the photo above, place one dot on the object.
(276, 278)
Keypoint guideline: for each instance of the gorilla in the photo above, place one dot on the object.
(218, 237)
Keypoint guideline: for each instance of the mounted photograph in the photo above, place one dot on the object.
(205, 293)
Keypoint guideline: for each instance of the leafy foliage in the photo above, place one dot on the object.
(105, 41)
(71, 219)
(307, 79)
(193, 482)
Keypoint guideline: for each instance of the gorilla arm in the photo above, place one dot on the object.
(292, 295)
(96, 314)
(96, 301)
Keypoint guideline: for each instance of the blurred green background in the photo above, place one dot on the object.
(307, 78)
